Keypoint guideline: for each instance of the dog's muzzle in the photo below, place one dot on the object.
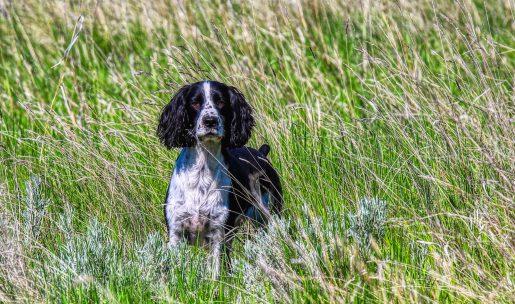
(210, 126)
(210, 122)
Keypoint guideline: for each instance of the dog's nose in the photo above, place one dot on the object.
(210, 121)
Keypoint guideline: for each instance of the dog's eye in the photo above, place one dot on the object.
(220, 104)
(196, 105)
(218, 101)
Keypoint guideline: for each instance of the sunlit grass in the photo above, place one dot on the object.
(408, 103)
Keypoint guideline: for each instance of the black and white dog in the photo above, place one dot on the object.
(217, 181)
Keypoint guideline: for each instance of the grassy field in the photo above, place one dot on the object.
(391, 124)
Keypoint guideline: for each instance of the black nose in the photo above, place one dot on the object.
(210, 121)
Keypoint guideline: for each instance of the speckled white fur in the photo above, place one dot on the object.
(197, 205)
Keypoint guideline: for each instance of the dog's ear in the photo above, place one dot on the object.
(175, 127)
(242, 120)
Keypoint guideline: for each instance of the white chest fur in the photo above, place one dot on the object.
(198, 196)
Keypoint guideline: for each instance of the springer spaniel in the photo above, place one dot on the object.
(217, 182)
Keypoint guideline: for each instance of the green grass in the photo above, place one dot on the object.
(411, 103)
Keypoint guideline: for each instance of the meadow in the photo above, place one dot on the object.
(391, 124)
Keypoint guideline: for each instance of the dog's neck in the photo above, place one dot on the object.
(205, 155)
(204, 170)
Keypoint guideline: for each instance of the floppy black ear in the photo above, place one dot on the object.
(175, 127)
(242, 120)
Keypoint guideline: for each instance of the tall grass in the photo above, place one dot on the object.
(410, 103)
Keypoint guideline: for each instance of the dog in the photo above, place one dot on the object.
(217, 182)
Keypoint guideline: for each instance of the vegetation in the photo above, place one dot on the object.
(390, 122)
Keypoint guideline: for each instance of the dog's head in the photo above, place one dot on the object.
(206, 111)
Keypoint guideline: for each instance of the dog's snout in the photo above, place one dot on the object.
(210, 121)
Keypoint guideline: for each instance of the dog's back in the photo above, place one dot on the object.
(254, 179)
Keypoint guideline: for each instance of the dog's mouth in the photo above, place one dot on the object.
(209, 134)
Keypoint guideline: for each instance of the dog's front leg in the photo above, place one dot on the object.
(227, 255)
(215, 255)
(173, 212)
(174, 229)
(173, 239)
